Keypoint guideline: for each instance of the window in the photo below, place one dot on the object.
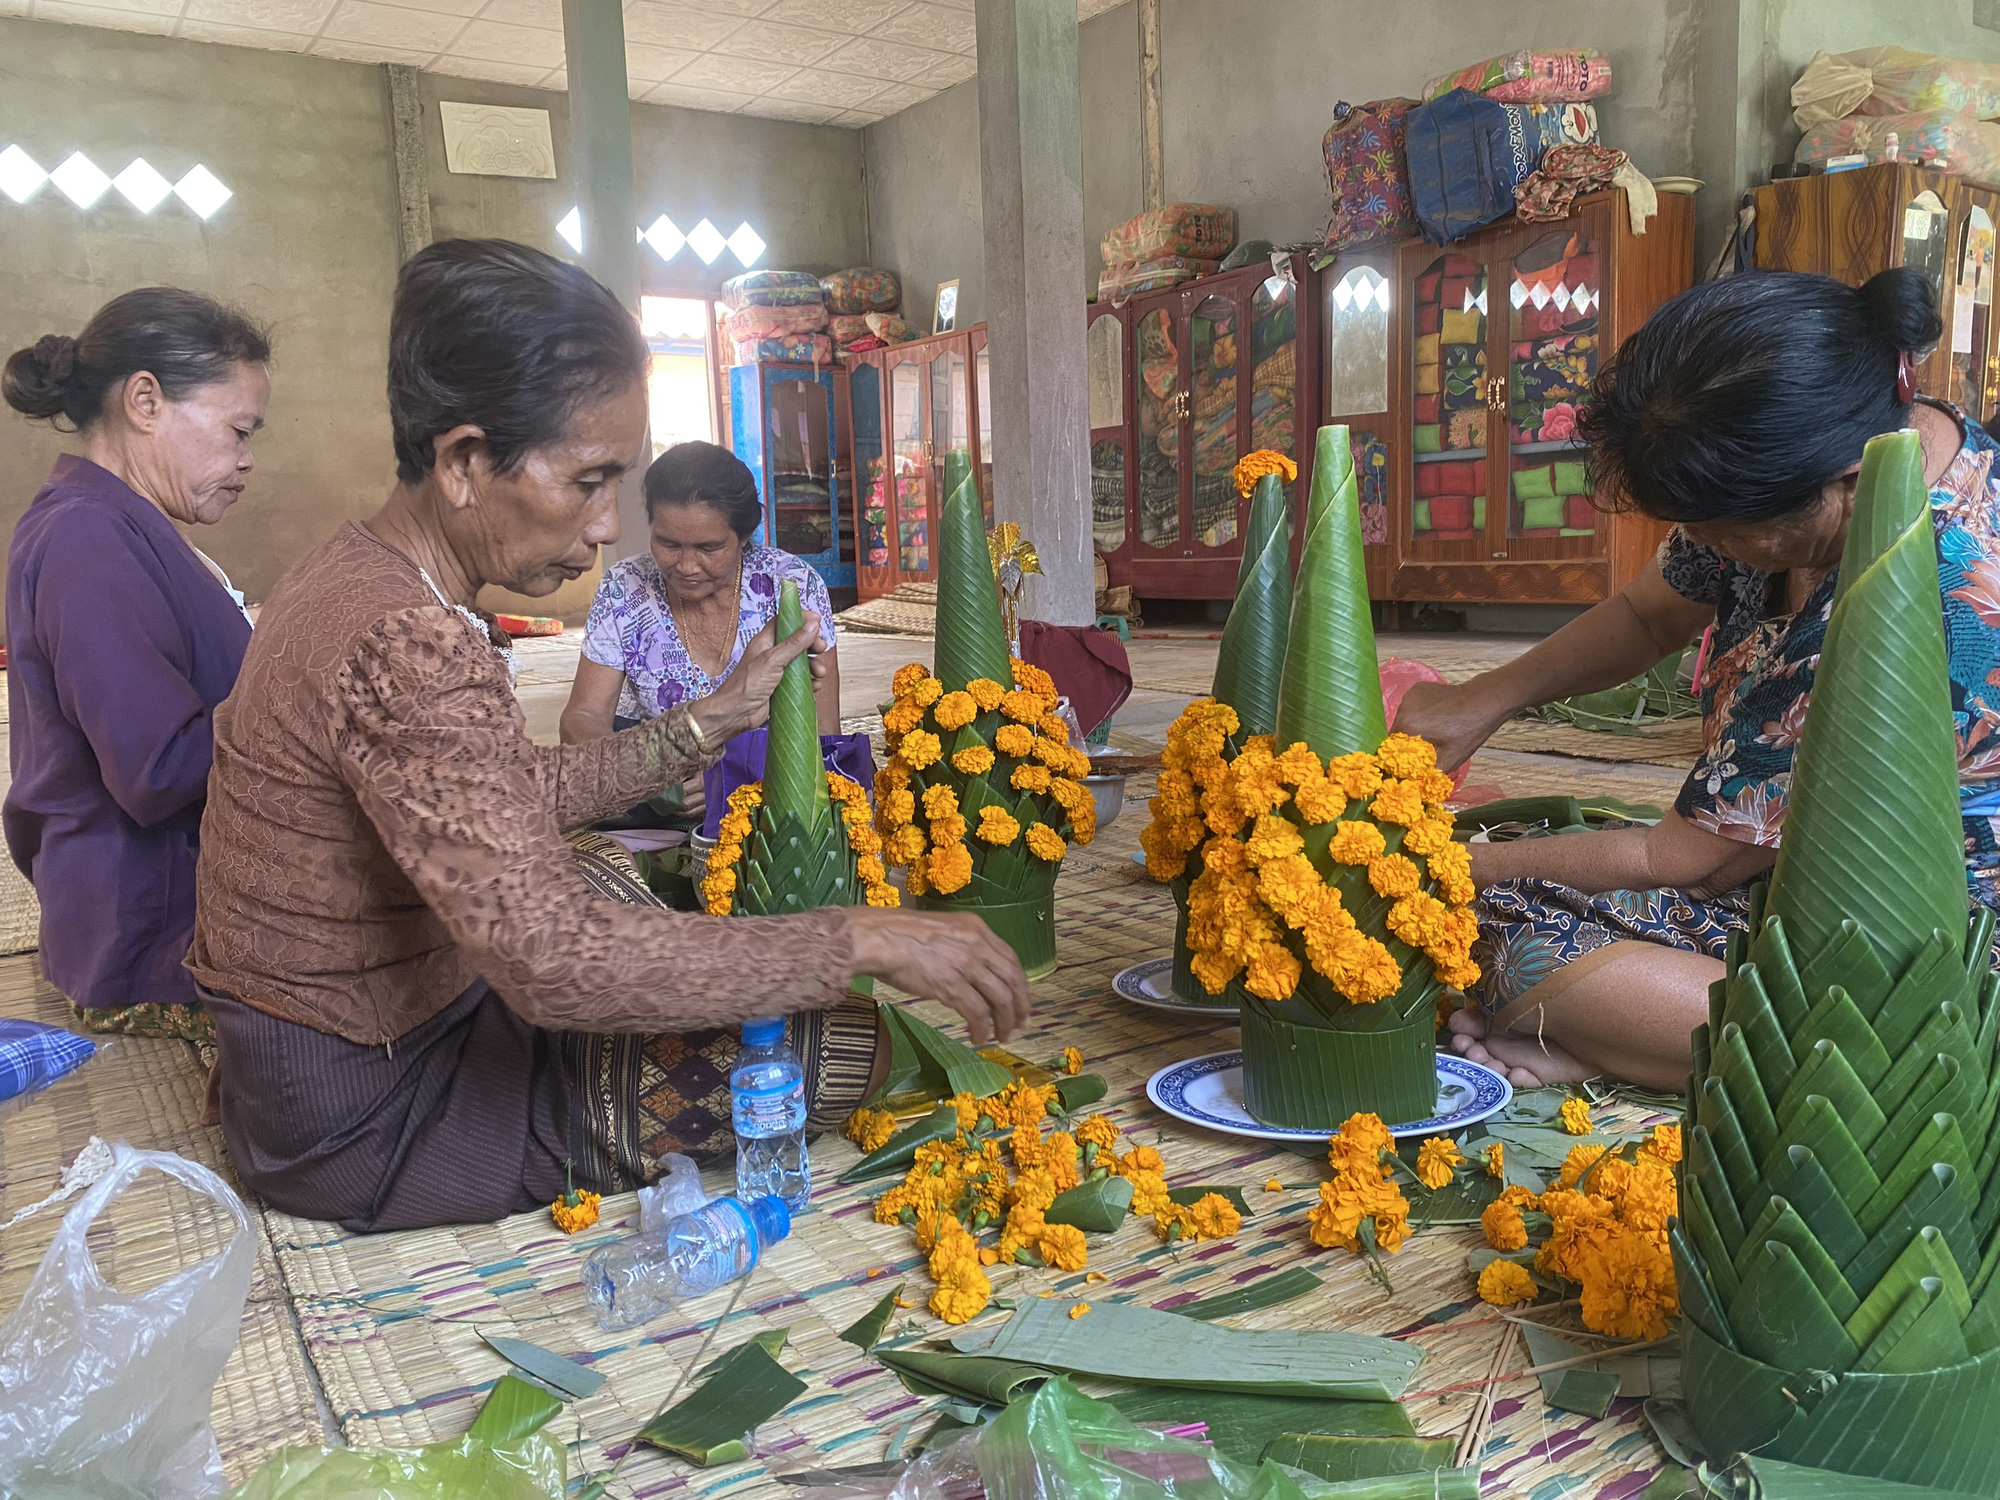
(680, 390)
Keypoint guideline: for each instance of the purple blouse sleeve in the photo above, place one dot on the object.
(604, 628)
(106, 619)
(813, 599)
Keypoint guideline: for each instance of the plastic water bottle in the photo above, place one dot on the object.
(642, 1275)
(768, 1093)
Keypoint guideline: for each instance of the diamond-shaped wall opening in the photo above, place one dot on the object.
(80, 179)
(202, 191)
(142, 186)
(21, 176)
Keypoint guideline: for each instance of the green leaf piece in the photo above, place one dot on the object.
(896, 1153)
(866, 1331)
(970, 641)
(1269, 1291)
(564, 1376)
(708, 1427)
(976, 1378)
(1251, 659)
(1095, 1207)
(1340, 1457)
(1187, 1197)
(794, 774)
(772, 1341)
(1242, 1426)
(1074, 1092)
(1331, 692)
(944, 1065)
(514, 1409)
(1773, 1480)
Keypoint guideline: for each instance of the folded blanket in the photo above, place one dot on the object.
(1451, 512)
(1420, 515)
(1430, 478)
(1463, 327)
(1465, 429)
(1572, 478)
(1429, 316)
(1545, 512)
(1464, 478)
(1426, 439)
(1580, 511)
(1426, 380)
(1425, 350)
(1424, 409)
(1533, 484)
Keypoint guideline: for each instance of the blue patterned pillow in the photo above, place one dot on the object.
(33, 1055)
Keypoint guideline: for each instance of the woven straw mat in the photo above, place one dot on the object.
(393, 1321)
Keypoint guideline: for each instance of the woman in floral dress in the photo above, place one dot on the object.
(1738, 412)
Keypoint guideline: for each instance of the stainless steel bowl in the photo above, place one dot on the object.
(1107, 790)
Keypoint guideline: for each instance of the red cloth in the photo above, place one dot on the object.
(1461, 478)
(1430, 317)
(1089, 666)
(1424, 410)
(1430, 479)
(1451, 513)
(1578, 511)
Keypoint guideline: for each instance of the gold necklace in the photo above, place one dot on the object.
(688, 639)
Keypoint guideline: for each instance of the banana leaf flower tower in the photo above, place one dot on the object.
(801, 838)
(1242, 702)
(983, 793)
(1329, 880)
(1836, 1248)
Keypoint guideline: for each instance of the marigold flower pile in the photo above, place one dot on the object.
(1606, 1219)
(1265, 822)
(724, 878)
(939, 742)
(998, 1178)
(1362, 1189)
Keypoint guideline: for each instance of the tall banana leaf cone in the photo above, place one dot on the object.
(1836, 1247)
(983, 792)
(784, 846)
(1247, 669)
(1330, 883)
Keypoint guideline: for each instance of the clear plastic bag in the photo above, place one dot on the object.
(105, 1393)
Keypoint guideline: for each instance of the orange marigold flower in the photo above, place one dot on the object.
(905, 844)
(1357, 774)
(1665, 1143)
(1063, 1246)
(1072, 1061)
(1356, 843)
(927, 691)
(907, 677)
(1503, 1226)
(1319, 800)
(986, 693)
(1392, 875)
(1033, 678)
(1016, 740)
(948, 869)
(1050, 727)
(1430, 836)
(1022, 706)
(1437, 1160)
(1504, 1284)
(1398, 802)
(1405, 755)
(1029, 777)
(997, 826)
(1253, 466)
(1272, 972)
(1045, 843)
(920, 748)
(1575, 1116)
(973, 760)
(955, 710)
(1273, 838)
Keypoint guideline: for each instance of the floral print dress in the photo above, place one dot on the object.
(1754, 696)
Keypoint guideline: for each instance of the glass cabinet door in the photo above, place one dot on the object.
(800, 463)
(1554, 300)
(1212, 344)
(1972, 310)
(871, 470)
(982, 390)
(951, 411)
(1274, 367)
(912, 470)
(1356, 362)
(1106, 348)
(1448, 402)
(1159, 397)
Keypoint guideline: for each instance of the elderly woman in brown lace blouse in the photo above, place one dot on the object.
(422, 1009)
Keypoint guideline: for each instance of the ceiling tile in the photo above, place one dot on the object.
(899, 96)
(525, 74)
(773, 41)
(146, 7)
(791, 109)
(97, 15)
(16, 7)
(368, 52)
(443, 7)
(521, 45)
(273, 15)
(663, 25)
(391, 26)
(547, 14)
(692, 98)
(855, 17)
(888, 61)
(652, 65)
(737, 75)
(1085, 9)
(244, 36)
(745, 8)
(949, 69)
(931, 26)
(837, 90)
(854, 119)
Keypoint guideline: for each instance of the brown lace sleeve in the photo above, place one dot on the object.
(582, 783)
(434, 746)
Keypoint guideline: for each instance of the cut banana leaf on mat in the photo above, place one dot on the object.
(710, 1427)
(1587, 1389)
(1338, 1456)
(564, 1376)
(1425, 1484)
(1094, 1207)
(1460, 1201)
(1144, 1347)
(1242, 1426)
(896, 1153)
(771, 1341)
(866, 1331)
(1074, 1093)
(1187, 1197)
(921, 1055)
(514, 1409)
(971, 1378)
(1753, 1478)
(1270, 1291)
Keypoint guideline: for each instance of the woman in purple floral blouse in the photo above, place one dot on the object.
(1738, 412)
(668, 625)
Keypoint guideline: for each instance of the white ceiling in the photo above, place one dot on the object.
(826, 62)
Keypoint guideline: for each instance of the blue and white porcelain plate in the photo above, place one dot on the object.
(1151, 984)
(1209, 1091)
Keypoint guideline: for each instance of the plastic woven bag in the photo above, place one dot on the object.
(1892, 81)
(1528, 77)
(105, 1393)
(1954, 142)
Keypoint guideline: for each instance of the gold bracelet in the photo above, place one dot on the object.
(700, 739)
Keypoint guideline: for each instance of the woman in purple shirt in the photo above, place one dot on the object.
(122, 638)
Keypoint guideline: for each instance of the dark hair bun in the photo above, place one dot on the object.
(36, 381)
(1899, 305)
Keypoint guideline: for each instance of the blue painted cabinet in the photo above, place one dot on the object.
(784, 422)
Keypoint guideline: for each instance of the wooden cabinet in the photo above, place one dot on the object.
(1196, 377)
(911, 404)
(787, 422)
(1361, 365)
(1853, 224)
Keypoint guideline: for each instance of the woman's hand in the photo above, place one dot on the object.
(744, 699)
(1455, 717)
(951, 957)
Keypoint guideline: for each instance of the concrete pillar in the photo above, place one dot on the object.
(1151, 150)
(406, 133)
(1031, 192)
(600, 172)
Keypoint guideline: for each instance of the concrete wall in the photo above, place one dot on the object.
(309, 240)
(1247, 90)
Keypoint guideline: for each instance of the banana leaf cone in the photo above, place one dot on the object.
(797, 856)
(1313, 1060)
(1247, 669)
(971, 642)
(1835, 1249)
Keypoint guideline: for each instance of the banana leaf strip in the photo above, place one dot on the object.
(970, 640)
(1187, 1197)
(1270, 1291)
(1425, 1484)
(1073, 1093)
(1754, 1478)
(514, 1409)
(974, 1378)
(1251, 659)
(564, 1376)
(1095, 1207)
(945, 1065)
(794, 774)
(866, 1331)
(1613, 1373)
(709, 1426)
(771, 1341)
(1120, 1341)
(1242, 1425)
(900, 1150)
(1338, 1457)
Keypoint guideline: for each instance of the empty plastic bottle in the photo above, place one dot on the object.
(767, 1090)
(642, 1275)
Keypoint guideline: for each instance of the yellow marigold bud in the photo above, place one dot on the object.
(955, 710)
(1496, 1159)
(996, 826)
(1072, 1061)
(973, 760)
(920, 748)
(1504, 1284)
(1575, 1115)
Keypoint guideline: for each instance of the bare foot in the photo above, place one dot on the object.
(1526, 1062)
